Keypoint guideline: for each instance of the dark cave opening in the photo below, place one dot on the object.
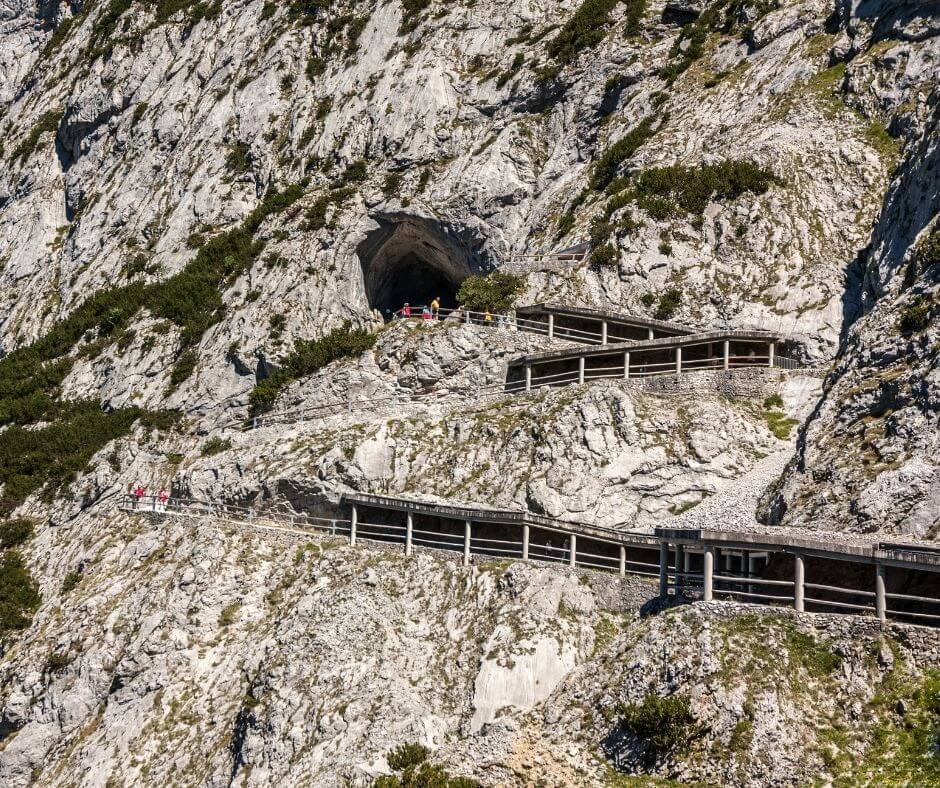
(412, 259)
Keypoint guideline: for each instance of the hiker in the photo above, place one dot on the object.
(436, 308)
(426, 313)
(487, 318)
(406, 310)
(163, 496)
(138, 495)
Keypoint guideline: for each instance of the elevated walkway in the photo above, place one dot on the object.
(776, 567)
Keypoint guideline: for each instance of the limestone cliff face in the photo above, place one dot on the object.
(867, 460)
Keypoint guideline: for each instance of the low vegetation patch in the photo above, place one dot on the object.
(306, 358)
(215, 445)
(495, 292)
(779, 423)
(663, 723)
(414, 771)
(916, 316)
(47, 123)
(608, 165)
(19, 595)
(14, 533)
(677, 191)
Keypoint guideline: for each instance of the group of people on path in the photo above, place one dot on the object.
(433, 312)
(156, 503)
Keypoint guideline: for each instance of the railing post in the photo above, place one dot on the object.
(727, 354)
(663, 568)
(525, 541)
(573, 550)
(678, 360)
(623, 561)
(581, 369)
(254, 422)
(680, 564)
(770, 353)
(799, 577)
(528, 378)
(551, 326)
(603, 332)
(626, 365)
(880, 598)
(708, 572)
(649, 333)
(409, 525)
(352, 524)
(466, 316)
(466, 543)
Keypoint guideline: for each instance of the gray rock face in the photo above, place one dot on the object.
(429, 148)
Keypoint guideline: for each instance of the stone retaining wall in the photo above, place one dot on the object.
(746, 382)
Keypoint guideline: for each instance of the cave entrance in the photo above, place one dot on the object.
(412, 259)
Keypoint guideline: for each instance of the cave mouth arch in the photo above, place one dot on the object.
(415, 259)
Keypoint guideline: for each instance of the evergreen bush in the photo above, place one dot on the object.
(495, 292)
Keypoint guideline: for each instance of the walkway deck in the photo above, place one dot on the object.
(886, 579)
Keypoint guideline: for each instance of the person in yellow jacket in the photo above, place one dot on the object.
(436, 308)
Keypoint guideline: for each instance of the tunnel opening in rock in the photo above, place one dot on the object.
(415, 260)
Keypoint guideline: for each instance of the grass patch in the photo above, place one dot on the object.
(215, 446)
(779, 423)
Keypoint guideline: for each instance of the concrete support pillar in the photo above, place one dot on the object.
(551, 326)
(525, 542)
(409, 527)
(528, 377)
(711, 349)
(708, 570)
(626, 365)
(880, 598)
(663, 568)
(466, 316)
(799, 577)
(623, 561)
(603, 332)
(581, 370)
(352, 524)
(649, 333)
(771, 348)
(751, 572)
(727, 354)
(466, 543)
(680, 563)
(678, 360)
(573, 551)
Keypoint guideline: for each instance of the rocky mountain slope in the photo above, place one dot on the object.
(196, 196)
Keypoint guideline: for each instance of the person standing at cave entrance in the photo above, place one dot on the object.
(426, 314)
(406, 310)
(487, 318)
(436, 308)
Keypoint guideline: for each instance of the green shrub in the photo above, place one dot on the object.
(665, 248)
(237, 160)
(56, 661)
(669, 303)
(585, 29)
(494, 292)
(634, 15)
(648, 299)
(19, 595)
(779, 423)
(664, 723)
(392, 183)
(679, 190)
(603, 255)
(916, 315)
(406, 756)
(14, 533)
(215, 445)
(773, 401)
(606, 167)
(416, 772)
(183, 368)
(307, 357)
(48, 122)
(816, 657)
(70, 582)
